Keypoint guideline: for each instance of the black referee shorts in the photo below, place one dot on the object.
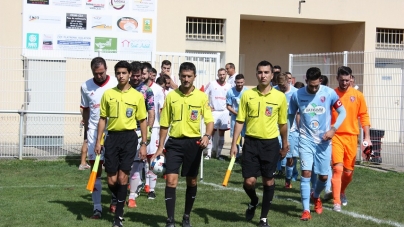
(183, 151)
(260, 157)
(120, 150)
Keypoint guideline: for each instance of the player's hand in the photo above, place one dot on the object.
(98, 148)
(233, 151)
(142, 152)
(284, 150)
(158, 152)
(329, 134)
(204, 142)
(368, 141)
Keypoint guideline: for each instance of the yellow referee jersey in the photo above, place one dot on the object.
(123, 108)
(183, 113)
(262, 113)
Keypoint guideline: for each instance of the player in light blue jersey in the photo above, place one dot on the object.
(233, 98)
(290, 160)
(314, 103)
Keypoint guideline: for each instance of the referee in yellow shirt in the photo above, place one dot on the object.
(182, 112)
(264, 110)
(123, 106)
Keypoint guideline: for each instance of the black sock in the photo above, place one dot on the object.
(113, 189)
(170, 201)
(190, 198)
(251, 193)
(267, 200)
(121, 198)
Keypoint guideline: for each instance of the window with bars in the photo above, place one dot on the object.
(388, 38)
(205, 29)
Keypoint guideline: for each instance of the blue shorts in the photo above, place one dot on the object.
(232, 123)
(293, 145)
(316, 157)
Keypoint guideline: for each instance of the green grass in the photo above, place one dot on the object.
(52, 193)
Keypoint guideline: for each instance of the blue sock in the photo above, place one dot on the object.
(289, 172)
(295, 174)
(328, 185)
(305, 192)
(279, 165)
(320, 185)
(313, 179)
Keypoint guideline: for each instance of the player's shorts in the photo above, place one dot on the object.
(344, 149)
(221, 120)
(232, 123)
(313, 156)
(154, 141)
(260, 157)
(293, 145)
(120, 150)
(91, 141)
(183, 151)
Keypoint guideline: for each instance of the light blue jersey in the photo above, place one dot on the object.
(233, 98)
(315, 112)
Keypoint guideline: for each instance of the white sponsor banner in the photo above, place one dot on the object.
(135, 45)
(68, 3)
(144, 5)
(45, 19)
(95, 4)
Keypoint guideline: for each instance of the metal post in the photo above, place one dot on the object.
(345, 58)
(201, 178)
(217, 61)
(359, 152)
(291, 63)
(21, 134)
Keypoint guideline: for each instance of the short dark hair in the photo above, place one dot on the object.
(313, 73)
(239, 76)
(287, 72)
(221, 69)
(123, 64)
(136, 66)
(280, 77)
(147, 65)
(165, 62)
(187, 66)
(299, 84)
(265, 63)
(161, 80)
(231, 65)
(166, 77)
(275, 78)
(277, 67)
(154, 70)
(97, 61)
(344, 70)
(324, 80)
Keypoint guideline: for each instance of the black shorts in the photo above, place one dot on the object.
(120, 150)
(260, 157)
(183, 151)
(85, 134)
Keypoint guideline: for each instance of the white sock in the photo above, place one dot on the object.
(220, 146)
(153, 181)
(96, 195)
(134, 183)
(146, 170)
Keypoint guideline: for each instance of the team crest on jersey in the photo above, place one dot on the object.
(352, 99)
(268, 111)
(194, 115)
(322, 98)
(129, 112)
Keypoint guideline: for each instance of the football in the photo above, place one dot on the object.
(159, 165)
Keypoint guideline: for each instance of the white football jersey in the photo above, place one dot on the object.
(217, 95)
(91, 94)
(232, 80)
(158, 102)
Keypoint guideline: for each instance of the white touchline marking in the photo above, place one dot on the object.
(43, 186)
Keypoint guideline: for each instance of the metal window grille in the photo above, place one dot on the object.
(387, 38)
(205, 29)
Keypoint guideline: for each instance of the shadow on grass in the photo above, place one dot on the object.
(218, 215)
(72, 160)
(136, 216)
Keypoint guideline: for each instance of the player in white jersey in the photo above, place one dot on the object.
(91, 94)
(217, 91)
(151, 178)
(231, 71)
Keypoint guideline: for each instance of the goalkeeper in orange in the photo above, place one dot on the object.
(345, 140)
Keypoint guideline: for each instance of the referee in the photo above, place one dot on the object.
(264, 110)
(182, 113)
(123, 106)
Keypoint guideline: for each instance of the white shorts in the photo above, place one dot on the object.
(91, 141)
(221, 120)
(154, 141)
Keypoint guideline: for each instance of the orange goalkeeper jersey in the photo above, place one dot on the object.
(355, 106)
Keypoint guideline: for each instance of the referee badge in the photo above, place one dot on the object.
(129, 112)
(194, 115)
(268, 111)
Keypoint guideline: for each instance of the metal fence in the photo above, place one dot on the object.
(380, 76)
(40, 96)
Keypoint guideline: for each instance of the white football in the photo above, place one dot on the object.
(159, 165)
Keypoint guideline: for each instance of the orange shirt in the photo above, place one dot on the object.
(355, 106)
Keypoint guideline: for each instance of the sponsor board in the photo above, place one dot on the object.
(32, 41)
(39, 2)
(46, 19)
(106, 44)
(101, 23)
(68, 3)
(143, 5)
(118, 4)
(95, 4)
(135, 45)
(47, 42)
(147, 25)
(127, 24)
(72, 42)
(76, 21)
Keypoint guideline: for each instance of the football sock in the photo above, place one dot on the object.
(336, 184)
(267, 197)
(114, 190)
(346, 179)
(190, 198)
(152, 181)
(305, 192)
(289, 173)
(328, 185)
(320, 185)
(121, 197)
(134, 183)
(96, 195)
(295, 171)
(146, 169)
(170, 198)
(252, 194)
(313, 179)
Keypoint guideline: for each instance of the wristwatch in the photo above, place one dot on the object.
(209, 136)
(141, 143)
